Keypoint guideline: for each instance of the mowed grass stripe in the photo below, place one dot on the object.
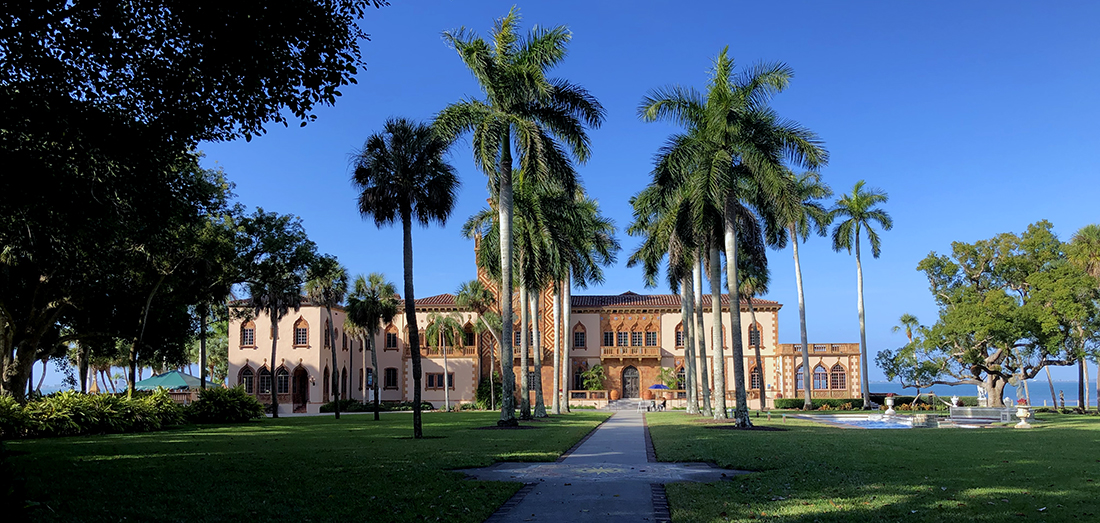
(304, 469)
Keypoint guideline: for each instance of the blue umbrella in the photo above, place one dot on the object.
(659, 386)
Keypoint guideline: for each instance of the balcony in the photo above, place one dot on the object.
(452, 352)
(819, 349)
(630, 352)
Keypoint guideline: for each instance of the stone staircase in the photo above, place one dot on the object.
(626, 404)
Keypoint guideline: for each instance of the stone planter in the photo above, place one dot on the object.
(890, 406)
(647, 394)
(615, 394)
(1023, 412)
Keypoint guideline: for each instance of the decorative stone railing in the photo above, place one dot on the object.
(630, 352)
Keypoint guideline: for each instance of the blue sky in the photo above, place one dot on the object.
(976, 119)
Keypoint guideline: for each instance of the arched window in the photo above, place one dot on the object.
(754, 336)
(578, 378)
(248, 334)
(821, 378)
(328, 328)
(246, 380)
(344, 343)
(282, 381)
(798, 378)
(680, 335)
(756, 378)
(651, 336)
(391, 338)
(301, 333)
(838, 378)
(681, 379)
(265, 381)
(326, 384)
(580, 336)
(344, 383)
(468, 338)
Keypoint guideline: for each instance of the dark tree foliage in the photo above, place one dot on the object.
(190, 70)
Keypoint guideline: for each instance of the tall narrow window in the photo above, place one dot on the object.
(265, 381)
(838, 378)
(623, 338)
(754, 336)
(531, 380)
(344, 383)
(821, 378)
(681, 379)
(578, 378)
(301, 333)
(755, 378)
(579, 341)
(517, 337)
(651, 339)
(799, 378)
(328, 328)
(608, 338)
(282, 381)
(326, 383)
(389, 378)
(391, 340)
(344, 342)
(468, 336)
(248, 335)
(246, 380)
(360, 379)
(680, 335)
(635, 339)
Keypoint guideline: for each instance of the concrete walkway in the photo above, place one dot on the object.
(608, 478)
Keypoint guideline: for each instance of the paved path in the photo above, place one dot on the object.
(607, 479)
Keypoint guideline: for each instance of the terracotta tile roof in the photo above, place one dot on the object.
(437, 300)
(631, 299)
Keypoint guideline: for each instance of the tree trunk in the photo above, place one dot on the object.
(508, 379)
(719, 342)
(272, 314)
(446, 379)
(141, 333)
(1085, 367)
(865, 389)
(556, 381)
(492, 362)
(374, 373)
(202, 345)
(687, 318)
(28, 387)
(410, 320)
(566, 314)
(38, 389)
(82, 363)
(701, 331)
(536, 346)
(807, 403)
(994, 388)
(1053, 394)
(756, 351)
(332, 348)
(524, 344)
(741, 412)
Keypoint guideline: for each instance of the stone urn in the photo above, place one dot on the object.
(614, 394)
(1023, 412)
(647, 395)
(890, 406)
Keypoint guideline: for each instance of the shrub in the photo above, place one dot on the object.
(818, 403)
(218, 405)
(71, 413)
(351, 405)
(481, 397)
(12, 419)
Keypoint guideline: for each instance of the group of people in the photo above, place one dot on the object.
(657, 405)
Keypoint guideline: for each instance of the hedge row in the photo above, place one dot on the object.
(353, 405)
(820, 403)
(71, 413)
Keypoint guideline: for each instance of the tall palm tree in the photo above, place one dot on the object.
(522, 107)
(754, 281)
(800, 214)
(859, 211)
(473, 296)
(372, 303)
(401, 175)
(1084, 251)
(327, 284)
(741, 144)
(445, 331)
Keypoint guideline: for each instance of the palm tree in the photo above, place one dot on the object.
(737, 141)
(445, 331)
(373, 302)
(524, 107)
(754, 281)
(859, 210)
(327, 284)
(1084, 251)
(800, 214)
(401, 174)
(473, 296)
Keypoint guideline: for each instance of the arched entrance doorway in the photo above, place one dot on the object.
(300, 389)
(630, 382)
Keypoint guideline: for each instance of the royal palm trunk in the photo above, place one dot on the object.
(807, 403)
(687, 314)
(508, 378)
(567, 313)
(524, 343)
(741, 411)
(536, 347)
(410, 320)
(865, 391)
(718, 338)
(701, 332)
(335, 366)
(557, 386)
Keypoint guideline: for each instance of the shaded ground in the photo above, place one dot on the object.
(296, 469)
(816, 473)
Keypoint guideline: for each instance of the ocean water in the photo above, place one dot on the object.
(1040, 391)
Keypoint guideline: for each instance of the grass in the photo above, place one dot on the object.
(815, 473)
(290, 469)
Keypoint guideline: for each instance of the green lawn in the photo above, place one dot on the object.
(290, 469)
(814, 473)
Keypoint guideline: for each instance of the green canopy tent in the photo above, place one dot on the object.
(174, 380)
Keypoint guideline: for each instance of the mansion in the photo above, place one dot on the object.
(631, 335)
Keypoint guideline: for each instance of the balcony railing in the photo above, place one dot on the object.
(452, 352)
(830, 393)
(820, 348)
(630, 352)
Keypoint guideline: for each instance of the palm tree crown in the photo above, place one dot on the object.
(858, 210)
